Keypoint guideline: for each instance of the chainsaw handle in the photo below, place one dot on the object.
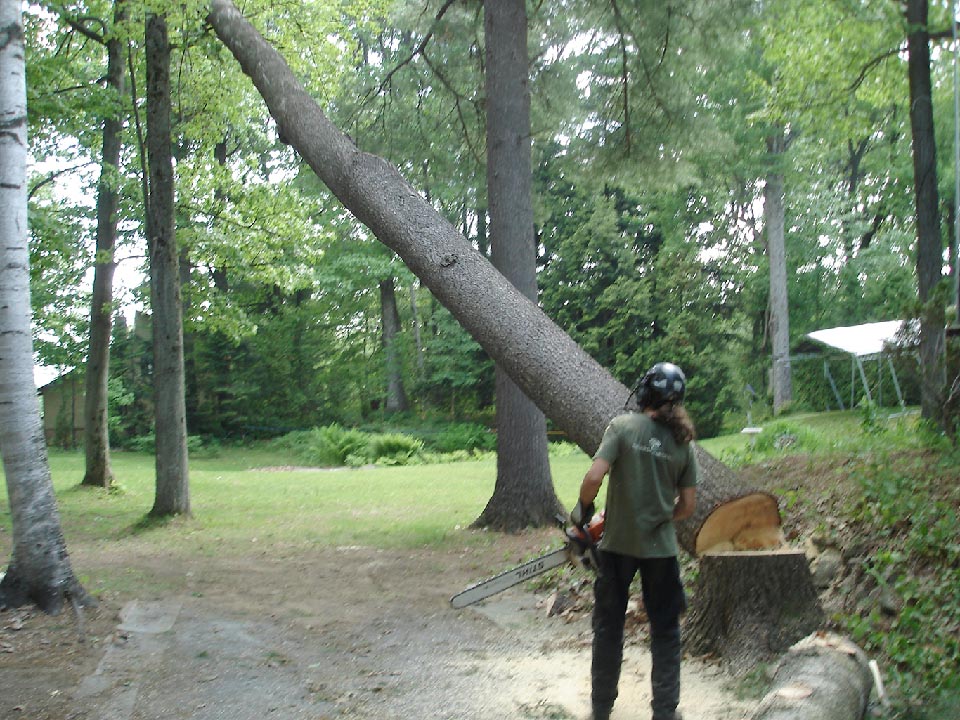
(582, 542)
(590, 533)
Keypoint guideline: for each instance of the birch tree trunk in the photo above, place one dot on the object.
(173, 485)
(39, 569)
(523, 494)
(96, 431)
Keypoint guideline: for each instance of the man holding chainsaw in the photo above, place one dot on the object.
(653, 475)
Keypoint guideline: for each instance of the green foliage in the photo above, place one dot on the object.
(336, 446)
(462, 436)
(870, 417)
(197, 446)
(329, 446)
(919, 559)
(391, 449)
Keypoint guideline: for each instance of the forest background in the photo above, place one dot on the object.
(655, 132)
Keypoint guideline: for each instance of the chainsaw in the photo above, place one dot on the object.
(580, 549)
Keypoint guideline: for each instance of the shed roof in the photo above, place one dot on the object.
(860, 340)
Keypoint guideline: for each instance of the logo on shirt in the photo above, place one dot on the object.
(653, 447)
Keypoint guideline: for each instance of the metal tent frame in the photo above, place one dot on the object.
(862, 343)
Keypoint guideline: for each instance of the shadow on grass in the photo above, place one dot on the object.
(115, 489)
(149, 523)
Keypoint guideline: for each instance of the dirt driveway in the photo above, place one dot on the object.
(350, 632)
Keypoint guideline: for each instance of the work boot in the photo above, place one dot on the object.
(674, 716)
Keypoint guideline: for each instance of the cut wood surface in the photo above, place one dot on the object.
(728, 515)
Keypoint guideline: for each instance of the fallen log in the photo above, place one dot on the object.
(822, 677)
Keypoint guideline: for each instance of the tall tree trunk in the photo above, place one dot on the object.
(96, 429)
(773, 213)
(39, 570)
(523, 494)
(417, 330)
(929, 242)
(390, 325)
(173, 486)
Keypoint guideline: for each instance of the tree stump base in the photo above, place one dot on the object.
(751, 606)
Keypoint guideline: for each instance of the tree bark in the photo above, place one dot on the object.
(96, 429)
(170, 420)
(39, 570)
(523, 494)
(933, 378)
(773, 214)
(751, 606)
(390, 326)
(822, 677)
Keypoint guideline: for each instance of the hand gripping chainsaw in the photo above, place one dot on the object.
(580, 549)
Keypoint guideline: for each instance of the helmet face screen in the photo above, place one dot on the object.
(663, 383)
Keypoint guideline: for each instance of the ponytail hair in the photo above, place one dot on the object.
(675, 417)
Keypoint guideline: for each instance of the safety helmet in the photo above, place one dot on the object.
(663, 383)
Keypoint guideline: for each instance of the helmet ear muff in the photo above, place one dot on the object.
(643, 394)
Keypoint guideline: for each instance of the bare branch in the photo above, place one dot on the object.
(418, 50)
(458, 102)
(80, 23)
(865, 70)
(53, 176)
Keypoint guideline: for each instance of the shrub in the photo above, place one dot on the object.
(328, 446)
(463, 436)
(392, 449)
(786, 436)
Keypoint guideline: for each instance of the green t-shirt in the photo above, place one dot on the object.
(647, 466)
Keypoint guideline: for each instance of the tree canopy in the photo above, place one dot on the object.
(649, 171)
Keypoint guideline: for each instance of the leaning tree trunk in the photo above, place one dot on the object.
(173, 486)
(566, 383)
(523, 494)
(96, 430)
(39, 569)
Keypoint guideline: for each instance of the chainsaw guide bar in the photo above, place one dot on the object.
(499, 583)
(579, 549)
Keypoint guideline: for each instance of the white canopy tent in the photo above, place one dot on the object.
(870, 341)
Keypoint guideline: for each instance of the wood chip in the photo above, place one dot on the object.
(797, 691)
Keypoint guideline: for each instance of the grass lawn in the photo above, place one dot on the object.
(239, 496)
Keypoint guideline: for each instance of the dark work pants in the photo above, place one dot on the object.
(664, 600)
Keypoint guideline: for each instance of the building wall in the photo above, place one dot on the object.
(62, 405)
